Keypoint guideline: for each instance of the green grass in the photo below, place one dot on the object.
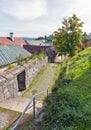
(69, 106)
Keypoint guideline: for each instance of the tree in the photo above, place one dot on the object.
(46, 38)
(50, 38)
(69, 36)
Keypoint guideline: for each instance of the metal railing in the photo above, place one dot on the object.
(32, 100)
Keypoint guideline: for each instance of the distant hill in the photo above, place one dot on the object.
(28, 38)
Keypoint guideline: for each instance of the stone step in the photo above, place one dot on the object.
(19, 104)
(16, 104)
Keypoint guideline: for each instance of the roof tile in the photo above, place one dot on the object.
(17, 40)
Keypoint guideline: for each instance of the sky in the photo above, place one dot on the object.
(34, 18)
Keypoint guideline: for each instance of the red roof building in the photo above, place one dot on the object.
(12, 40)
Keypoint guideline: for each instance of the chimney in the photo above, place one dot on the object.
(11, 36)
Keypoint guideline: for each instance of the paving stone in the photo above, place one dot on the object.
(3, 120)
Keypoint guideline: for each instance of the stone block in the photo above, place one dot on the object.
(8, 80)
(1, 97)
(5, 90)
(7, 95)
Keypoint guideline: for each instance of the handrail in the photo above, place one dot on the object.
(36, 95)
(26, 108)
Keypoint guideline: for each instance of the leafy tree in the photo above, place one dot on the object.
(39, 38)
(69, 36)
(47, 38)
(50, 38)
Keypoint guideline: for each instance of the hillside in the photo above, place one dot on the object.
(69, 106)
(28, 38)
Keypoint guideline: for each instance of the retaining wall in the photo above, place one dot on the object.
(10, 83)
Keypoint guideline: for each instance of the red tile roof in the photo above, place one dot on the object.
(17, 40)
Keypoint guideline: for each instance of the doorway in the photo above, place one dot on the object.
(21, 81)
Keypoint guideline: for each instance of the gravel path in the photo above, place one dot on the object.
(45, 79)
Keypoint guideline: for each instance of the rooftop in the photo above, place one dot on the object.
(10, 53)
(12, 40)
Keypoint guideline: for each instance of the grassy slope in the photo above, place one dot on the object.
(70, 107)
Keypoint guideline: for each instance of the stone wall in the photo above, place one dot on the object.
(9, 84)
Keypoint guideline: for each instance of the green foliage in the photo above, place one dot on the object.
(47, 38)
(19, 60)
(50, 38)
(40, 55)
(39, 38)
(69, 36)
(69, 106)
(86, 37)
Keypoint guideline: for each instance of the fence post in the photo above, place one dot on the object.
(33, 107)
(47, 93)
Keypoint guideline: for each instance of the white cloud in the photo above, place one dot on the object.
(37, 17)
(82, 8)
(24, 9)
